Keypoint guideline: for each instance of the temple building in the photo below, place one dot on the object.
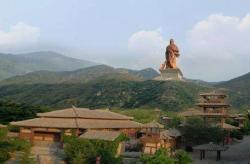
(157, 137)
(51, 126)
(213, 105)
(213, 109)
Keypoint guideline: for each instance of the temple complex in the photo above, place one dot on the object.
(50, 126)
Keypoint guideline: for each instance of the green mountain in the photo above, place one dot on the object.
(102, 93)
(12, 65)
(99, 86)
(104, 86)
(145, 74)
(240, 84)
(239, 91)
(81, 76)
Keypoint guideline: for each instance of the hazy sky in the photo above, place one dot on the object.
(213, 35)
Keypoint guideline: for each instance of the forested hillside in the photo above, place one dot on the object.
(172, 96)
(20, 64)
(239, 91)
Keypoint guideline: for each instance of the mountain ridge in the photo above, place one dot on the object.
(20, 64)
(82, 75)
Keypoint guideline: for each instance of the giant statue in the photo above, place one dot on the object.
(169, 69)
(172, 52)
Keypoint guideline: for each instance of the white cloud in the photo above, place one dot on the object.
(218, 47)
(148, 48)
(18, 35)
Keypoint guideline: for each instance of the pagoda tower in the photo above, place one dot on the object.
(214, 107)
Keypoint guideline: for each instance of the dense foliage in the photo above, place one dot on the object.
(196, 132)
(162, 156)
(182, 157)
(239, 91)
(86, 151)
(169, 96)
(10, 111)
(11, 145)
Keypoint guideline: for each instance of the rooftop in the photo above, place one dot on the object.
(213, 105)
(85, 113)
(2, 126)
(101, 135)
(210, 147)
(190, 112)
(172, 132)
(154, 124)
(80, 118)
(213, 94)
(229, 127)
(77, 123)
(195, 112)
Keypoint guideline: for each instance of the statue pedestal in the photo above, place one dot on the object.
(170, 74)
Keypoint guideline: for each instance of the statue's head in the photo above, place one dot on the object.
(171, 41)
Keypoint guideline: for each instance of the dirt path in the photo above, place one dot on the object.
(238, 153)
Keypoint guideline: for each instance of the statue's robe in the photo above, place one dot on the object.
(172, 52)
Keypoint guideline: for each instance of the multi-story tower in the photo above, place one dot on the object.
(214, 107)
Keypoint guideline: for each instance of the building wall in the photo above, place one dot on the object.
(151, 147)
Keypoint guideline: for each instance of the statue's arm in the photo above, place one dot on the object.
(177, 49)
(177, 52)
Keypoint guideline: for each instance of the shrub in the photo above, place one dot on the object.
(182, 157)
(20, 144)
(175, 122)
(161, 156)
(3, 133)
(76, 148)
(4, 156)
(237, 134)
(87, 150)
(108, 157)
(246, 129)
(13, 128)
(196, 132)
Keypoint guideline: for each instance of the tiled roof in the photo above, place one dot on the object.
(210, 147)
(203, 104)
(84, 113)
(172, 132)
(213, 94)
(101, 135)
(2, 126)
(190, 112)
(153, 124)
(229, 127)
(77, 123)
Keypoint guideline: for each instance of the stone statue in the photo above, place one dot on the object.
(172, 52)
(168, 69)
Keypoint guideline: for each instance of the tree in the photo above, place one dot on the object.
(197, 132)
(161, 156)
(175, 122)
(79, 149)
(85, 151)
(8, 145)
(11, 111)
(182, 157)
